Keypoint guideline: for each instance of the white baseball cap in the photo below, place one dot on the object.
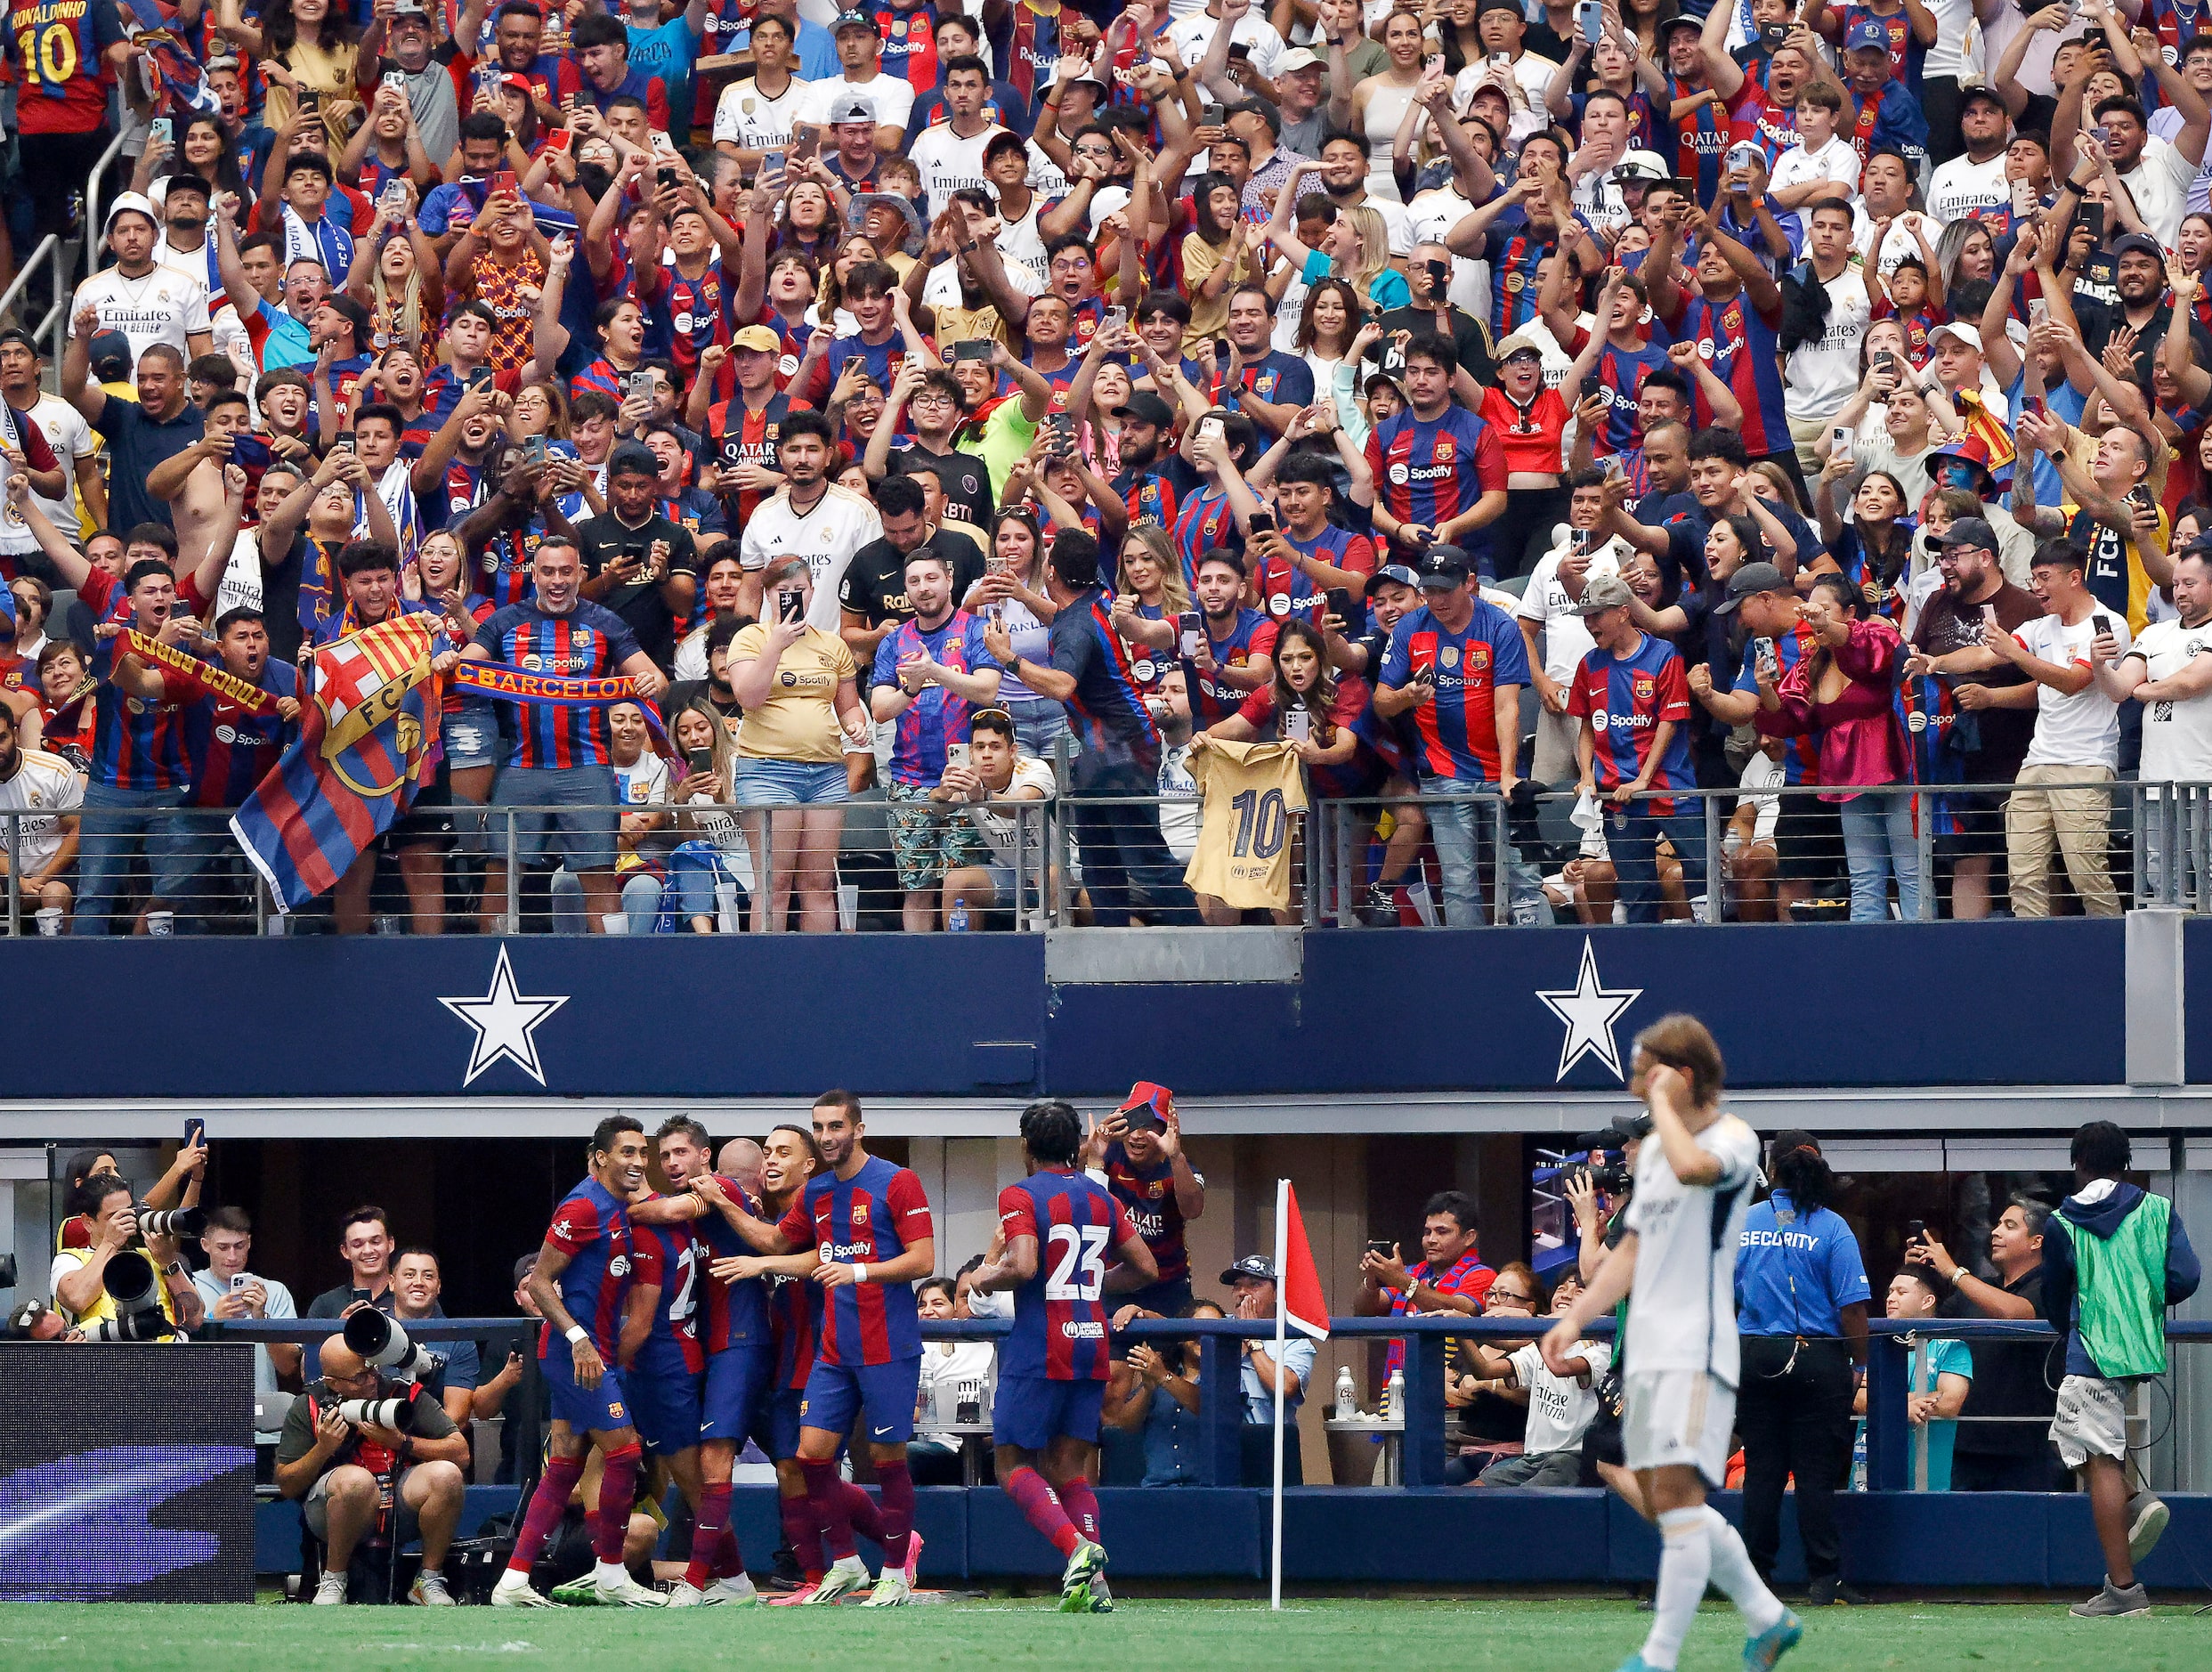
(131, 200)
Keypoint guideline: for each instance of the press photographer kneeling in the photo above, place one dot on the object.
(368, 1454)
(122, 1288)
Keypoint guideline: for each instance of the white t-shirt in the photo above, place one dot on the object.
(1189, 36)
(1045, 180)
(644, 782)
(1819, 378)
(44, 786)
(839, 523)
(2081, 730)
(998, 829)
(947, 1379)
(71, 438)
(2176, 736)
(746, 117)
(1178, 790)
(1021, 243)
(1681, 1313)
(1428, 218)
(1835, 161)
(1959, 45)
(1895, 248)
(241, 585)
(1962, 186)
(1545, 601)
(892, 95)
(1601, 200)
(2159, 181)
(948, 163)
(1559, 1407)
(161, 307)
(942, 288)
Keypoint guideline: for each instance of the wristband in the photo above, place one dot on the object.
(578, 1334)
(860, 1272)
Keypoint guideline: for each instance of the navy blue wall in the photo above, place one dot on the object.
(1872, 1005)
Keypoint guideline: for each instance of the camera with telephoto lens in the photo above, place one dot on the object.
(382, 1342)
(395, 1414)
(171, 1222)
(133, 1285)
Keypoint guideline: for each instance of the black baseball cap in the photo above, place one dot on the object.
(1750, 579)
(1970, 531)
(1147, 408)
(1251, 1266)
(1442, 568)
(17, 334)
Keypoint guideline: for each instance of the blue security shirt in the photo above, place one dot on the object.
(1795, 1274)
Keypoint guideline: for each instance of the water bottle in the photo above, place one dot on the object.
(1394, 1398)
(1345, 1404)
(956, 920)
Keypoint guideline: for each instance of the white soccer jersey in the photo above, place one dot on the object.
(827, 536)
(2176, 736)
(43, 787)
(160, 306)
(749, 119)
(949, 163)
(1681, 1313)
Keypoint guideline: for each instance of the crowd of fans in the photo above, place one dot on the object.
(1001, 407)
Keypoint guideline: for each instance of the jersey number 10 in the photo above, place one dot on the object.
(1260, 822)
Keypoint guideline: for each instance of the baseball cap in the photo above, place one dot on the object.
(408, 12)
(759, 338)
(1973, 448)
(1866, 34)
(1680, 20)
(1605, 591)
(1297, 59)
(17, 334)
(1399, 572)
(129, 200)
(1155, 1101)
(1147, 408)
(1257, 1265)
(1640, 166)
(1965, 334)
(109, 352)
(1519, 343)
(1636, 1126)
(1970, 531)
(853, 21)
(855, 106)
(2137, 241)
(1972, 87)
(1750, 579)
(518, 84)
(1442, 568)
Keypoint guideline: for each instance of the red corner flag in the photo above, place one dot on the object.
(1305, 1308)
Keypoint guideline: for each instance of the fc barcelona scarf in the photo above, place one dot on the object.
(209, 680)
(511, 683)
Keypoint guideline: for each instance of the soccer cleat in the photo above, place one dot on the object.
(2147, 1516)
(847, 1575)
(734, 1591)
(790, 1599)
(2111, 1602)
(577, 1594)
(892, 1591)
(685, 1596)
(913, 1561)
(330, 1590)
(1101, 1599)
(429, 1590)
(515, 1590)
(1636, 1663)
(1378, 908)
(622, 1591)
(1088, 1560)
(1762, 1651)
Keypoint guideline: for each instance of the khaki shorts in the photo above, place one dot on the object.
(2091, 1420)
(1678, 1418)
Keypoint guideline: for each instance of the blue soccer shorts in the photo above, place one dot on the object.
(664, 1398)
(776, 1422)
(836, 1393)
(737, 1382)
(1032, 1412)
(602, 1409)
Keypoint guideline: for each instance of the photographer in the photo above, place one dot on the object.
(179, 1187)
(339, 1472)
(228, 1290)
(78, 1275)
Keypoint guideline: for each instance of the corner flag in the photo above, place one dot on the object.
(1300, 1305)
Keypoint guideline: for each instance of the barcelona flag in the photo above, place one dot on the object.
(362, 740)
(153, 27)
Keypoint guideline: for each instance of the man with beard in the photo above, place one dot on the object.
(1153, 478)
(810, 516)
(2146, 309)
(2168, 670)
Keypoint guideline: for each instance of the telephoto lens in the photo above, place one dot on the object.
(380, 1341)
(130, 1281)
(171, 1222)
(396, 1414)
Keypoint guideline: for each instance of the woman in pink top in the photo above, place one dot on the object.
(1843, 694)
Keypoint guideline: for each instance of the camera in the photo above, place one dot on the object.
(131, 1284)
(382, 1342)
(171, 1222)
(7, 1270)
(395, 1414)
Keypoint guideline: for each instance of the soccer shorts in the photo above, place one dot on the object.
(602, 1409)
(1678, 1417)
(1032, 1412)
(2091, 1420)
(664, 1398)
(737, 1381)
(776, 1422)
(835, 1393)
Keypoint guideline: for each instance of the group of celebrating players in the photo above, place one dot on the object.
(779, 1309)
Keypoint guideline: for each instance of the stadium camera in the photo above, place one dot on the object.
(7, 1270)
(396, 1414)
(171, 1222)
(130, 1282)
(381, 1342)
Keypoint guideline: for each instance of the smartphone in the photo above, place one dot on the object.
(699, 759)
(2023, 198)
(1338, 601)
(1380, 1245)
(2036, 406)
(534, 452)
(1915, 1230)
(1210, 429)
(241, 1280)
(1262, 523)
(1433, 62)
(195, 1130)
(772, 162)
(1239, 49)
(158, 132)
(974, 348)
(1885, 362)
(1592, 383)
(1114, 319)
(1063, 427)
(1839, 440)
(2039, 311)
(1500, 64)
(1210, 116)
(791, 605)
(481, 378)
(1187, 625)
(956, 754)
(806, 145)
(1590, 21)
(1764, 648)
(310, 99)
(1988, 615)
(640, 387)
(669, 179)
(2103, 624)
(1297, 726)
(395, 79)
(250, 452)
(1439, 275)
(504, 183)
(344, 444)
(1221, 351)
(2093, 217)
(559, 139)
(393, 199)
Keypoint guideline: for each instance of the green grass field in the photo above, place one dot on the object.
(1570, 1635)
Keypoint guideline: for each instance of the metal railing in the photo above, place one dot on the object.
(1470, 858)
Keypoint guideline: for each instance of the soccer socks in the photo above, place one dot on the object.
(710, 1537)
(1685, 1565)
(802, 1533)
(826, 1494)
(860, 1511)
(555, 1487)
(898, 1511)
(617, 1491)
(1732, 1571)
(1041, 1506)
(1083, 1508)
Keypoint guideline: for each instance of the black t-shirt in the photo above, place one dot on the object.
(2009, 1380)
(297, 1438)
(966, 482)
(1468, 342)
(1946, 626)
(874, 587)
(601, 540)
(137, 444)
(2098, 324)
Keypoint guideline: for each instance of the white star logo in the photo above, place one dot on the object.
(503, 1021)
(1589, 1011)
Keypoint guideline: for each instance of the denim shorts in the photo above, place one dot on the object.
(471, 738)
(580, 832)
(788, 782)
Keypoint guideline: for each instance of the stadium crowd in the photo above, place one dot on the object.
(1036, 405)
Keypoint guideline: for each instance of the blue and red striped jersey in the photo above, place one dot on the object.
(699, 313)
(1060, 1314)
(1430, 470)
(1700, 142)
(1621, 375)
(1626, 699)
(1212, 699)
(587, 643)
(1755, 116)
(668, 1258)
(230, 751)
(137, 745)
(795, 1317)
(1147, 1193)
(872, 1217)
(1742, 346)
(1458, 726)
(1203, 522)
(730, 1314)
(594, 1231)
(1801, 761)
(1286, 591)
(1515, 253)
(936, 717)
(1149, 496)
(1107, 710)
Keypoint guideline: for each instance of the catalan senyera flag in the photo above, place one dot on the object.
(354, 768)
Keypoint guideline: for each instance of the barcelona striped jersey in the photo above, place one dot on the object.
(873, 1217)
(593, 1229)
(1060, 1313)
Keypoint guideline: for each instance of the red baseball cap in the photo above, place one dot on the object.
(1146, 1095)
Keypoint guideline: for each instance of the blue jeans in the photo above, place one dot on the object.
(1464, 833)
(1124, 856)
(1632, 837)
(1037, 726)
(641, 901)
(115, 821)
(1878, 839)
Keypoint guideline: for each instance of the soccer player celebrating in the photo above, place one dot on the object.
(1057, 1225)
(1677, 1266)
(581, 1282)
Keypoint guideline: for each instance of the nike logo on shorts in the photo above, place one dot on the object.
(882, 1431)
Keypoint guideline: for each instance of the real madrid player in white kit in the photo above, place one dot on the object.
(1677, 1266)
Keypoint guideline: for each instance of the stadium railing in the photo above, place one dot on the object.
(1428, 1344)
(2157, 839)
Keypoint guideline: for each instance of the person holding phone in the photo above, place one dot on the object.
(714, 852)
(1450, 1276)
(230, 1289)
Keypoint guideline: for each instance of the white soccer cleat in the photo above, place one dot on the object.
(738, 1591)
(847, 1575)
(892, 1591)
(685, 1596)
(429, 1591)
(515, 1590)
(330, 1590)
(619, 1590)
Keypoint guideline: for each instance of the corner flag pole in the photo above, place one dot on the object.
(1281, 1307)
